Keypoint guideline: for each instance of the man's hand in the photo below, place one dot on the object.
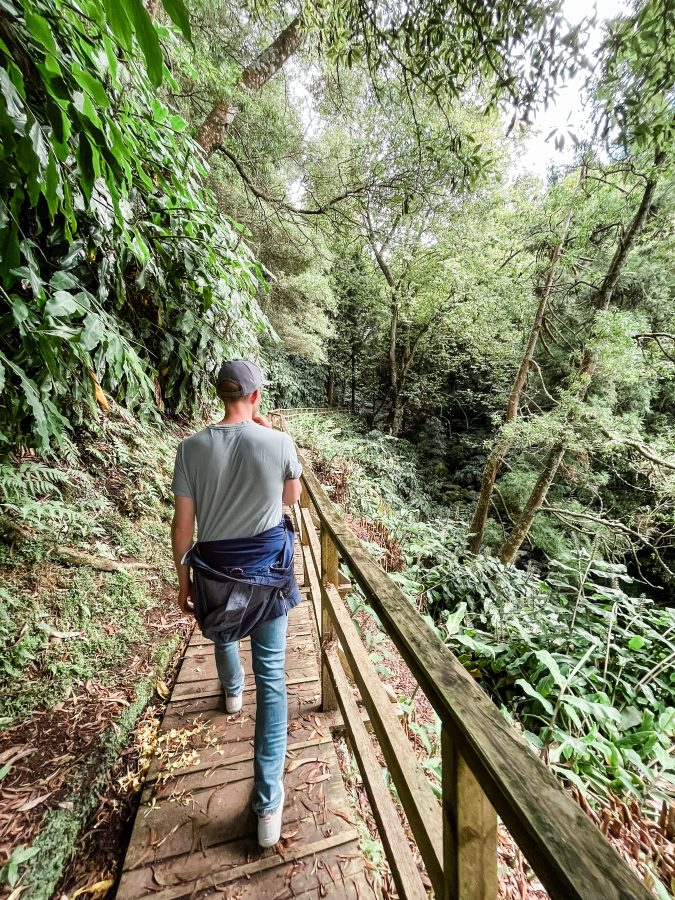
(261, 420)
(185, 599)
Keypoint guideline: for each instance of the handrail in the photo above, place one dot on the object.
(486, 764)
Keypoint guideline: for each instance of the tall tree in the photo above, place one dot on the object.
(211, 133)
(501, 447)
(469, 43)
(600, 303)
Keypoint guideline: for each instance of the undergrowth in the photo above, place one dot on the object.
(70, 632)
(60, 626)
(579, 660)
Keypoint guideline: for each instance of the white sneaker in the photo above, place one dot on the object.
(269, 827)
(233, 702)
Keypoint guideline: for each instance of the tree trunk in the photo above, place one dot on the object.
(396, 414)
(585, 373)
(353, 379)
(152, 6)
(521, 529)
(211, 132)
(394, 386)
(499, 451)
(329, 388)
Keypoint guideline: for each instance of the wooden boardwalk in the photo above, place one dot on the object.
(195, 833)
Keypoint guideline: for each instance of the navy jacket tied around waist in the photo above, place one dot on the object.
(240, 583)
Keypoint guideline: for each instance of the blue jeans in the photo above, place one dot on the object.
(268, 646)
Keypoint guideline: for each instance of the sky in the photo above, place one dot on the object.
(566, 111)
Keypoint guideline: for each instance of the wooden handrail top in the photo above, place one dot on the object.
(568, 853)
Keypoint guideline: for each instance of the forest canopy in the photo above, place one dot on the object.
(337, 189)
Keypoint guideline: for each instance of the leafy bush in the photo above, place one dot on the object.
(582, 666)
(116, 270)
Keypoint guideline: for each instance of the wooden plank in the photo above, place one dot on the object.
(266, 876)
(239, 767)
(469, 831)
(199, 666)
(209, 816)
(312, 551)
(568, 853)
(329, 576)
(419, 802)
(213, 757)
(241, 727)
(214, 691)
(394, 840)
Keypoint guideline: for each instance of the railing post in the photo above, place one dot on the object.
(469, 831)
(329, 575)
(305, 503)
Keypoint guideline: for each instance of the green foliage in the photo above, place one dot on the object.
(437, 48)
(635, 80)
(62, 638)
(575, 658)
(77, 624)
(116, 269)
(55, 844)
(295, 381)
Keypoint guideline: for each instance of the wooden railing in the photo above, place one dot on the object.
(487, 768)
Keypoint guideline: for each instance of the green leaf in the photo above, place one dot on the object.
(147, 38)
(545, 657)
(85, 159)
(179, 16)
(178, 123)
(51, 188)
(534, 693)
(61, 304)
(636, 643)
(41, 30)
(13, 102)
(90, 84)
(92, 331)
(118, 20)
(20, 310)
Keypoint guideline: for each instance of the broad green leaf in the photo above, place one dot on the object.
(13, 102)
(178, 15)
(41, 30)
(178, 123)
(534, 693)
(146, 35)
(90, 84)
(545, 657)
(61, 303)
(92, 331)
(118, 20)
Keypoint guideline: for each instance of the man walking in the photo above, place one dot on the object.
(234, 478)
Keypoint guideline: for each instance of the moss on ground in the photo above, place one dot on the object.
(56, 842)
(72, 633)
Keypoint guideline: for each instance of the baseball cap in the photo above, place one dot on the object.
(242, 372)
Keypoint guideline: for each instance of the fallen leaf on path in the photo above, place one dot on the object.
(31, 804)
(344, 816)
(296, 763)
(163, 690)
(318, 778)
(97, 888)
(13, 754)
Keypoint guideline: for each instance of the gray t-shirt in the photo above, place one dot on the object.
(235, 474)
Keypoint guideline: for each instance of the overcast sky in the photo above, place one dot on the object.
(566, 112)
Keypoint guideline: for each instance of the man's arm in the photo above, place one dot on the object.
(182, 536)
(291, 492)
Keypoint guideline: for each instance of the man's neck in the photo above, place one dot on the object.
(237, 413)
